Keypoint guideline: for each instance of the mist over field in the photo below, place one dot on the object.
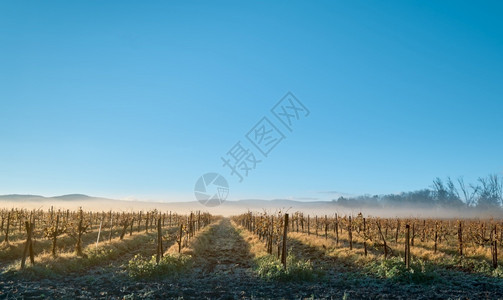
(231, 208)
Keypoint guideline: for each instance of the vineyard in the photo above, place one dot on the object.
(162, 254)
(431, 240)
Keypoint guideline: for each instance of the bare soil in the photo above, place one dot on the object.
(225, 270)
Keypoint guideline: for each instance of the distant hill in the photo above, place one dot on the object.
(228, 208)
(17, 197)
(70, 197)
(74, 197)
(74, 201)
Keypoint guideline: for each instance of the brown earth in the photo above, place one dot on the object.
(224, 270)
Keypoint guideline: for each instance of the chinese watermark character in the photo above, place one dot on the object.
(241, 159)
(265, 136)
(289, 109)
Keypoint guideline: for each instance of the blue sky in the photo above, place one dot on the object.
(137, 100)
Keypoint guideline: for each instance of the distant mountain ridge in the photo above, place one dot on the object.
(20, 196)
(73, 197)
(28, 197)
(83, 197)
(251, 204)
(229, 208)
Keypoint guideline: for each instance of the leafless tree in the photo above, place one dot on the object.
(469, 192)
(490, 191)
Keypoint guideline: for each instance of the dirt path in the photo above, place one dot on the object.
(225, 270)
(226, 252)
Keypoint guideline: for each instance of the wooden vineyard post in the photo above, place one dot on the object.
(270, 236)
(111, 227)
(436, 237)
(99, 232)
(407, 246)
(316, 224)
(247, 222)
(336, 230)
(350, 234)
(268, 239)
(55, 236)
(29, 245)
(285, 232)
(124, 228)
(179, 241)
(297, 222)
(90, 220)
(302, 222)
(383, 239)
(153, 221)
(199, 221)
(397, 230)
(494, 248)
(159, 240)
(326, 227)
(424, 231)
(187, 228)
(7, 229)
(308, 231)
(364, 237)
(3, 221)
(335, 223)
(146, 223)
(80, 231)
(139, 221)
(280, 243)
(252, 223)
(20, 222)
(191, 227)
(30, 248)
(131, 226)
(25, 251)
(386, 228)
(482, 230)
(413, 233)
(460, 238)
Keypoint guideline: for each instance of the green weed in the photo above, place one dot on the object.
(395, 270)
(270, 268)
(168, 266)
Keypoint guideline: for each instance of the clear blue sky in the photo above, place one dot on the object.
(138, 99)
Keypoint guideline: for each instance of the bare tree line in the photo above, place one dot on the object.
(485, 193)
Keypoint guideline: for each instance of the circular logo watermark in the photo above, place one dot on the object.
(211, 189)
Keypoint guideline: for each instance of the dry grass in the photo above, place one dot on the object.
(65, 243)
(446, 250)
(198, 241)
(46, 265)
(257, 247)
